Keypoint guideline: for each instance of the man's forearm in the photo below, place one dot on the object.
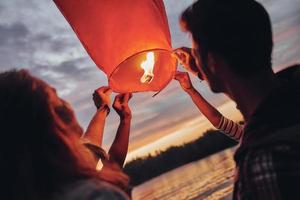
(210, 112)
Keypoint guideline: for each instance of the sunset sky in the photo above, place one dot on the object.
(34, 35)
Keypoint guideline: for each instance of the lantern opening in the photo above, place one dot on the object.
(148, 66)
(149, 70)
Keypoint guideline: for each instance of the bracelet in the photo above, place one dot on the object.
(106, 107)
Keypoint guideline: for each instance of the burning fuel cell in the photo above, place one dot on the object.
(146, 71)
(148, 66)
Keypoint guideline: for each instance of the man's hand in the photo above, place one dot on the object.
(121, 105)
(101, 96)
(184, 55)
(184, 79)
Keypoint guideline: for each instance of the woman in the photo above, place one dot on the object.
(41, 155)
(113, 161)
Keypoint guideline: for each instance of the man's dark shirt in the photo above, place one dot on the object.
(268, 159)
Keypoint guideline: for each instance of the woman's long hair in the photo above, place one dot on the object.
(38, 153)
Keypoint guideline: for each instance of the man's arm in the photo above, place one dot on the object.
(230, 128)
(185, 57)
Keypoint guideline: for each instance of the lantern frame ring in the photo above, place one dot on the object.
(140, 52)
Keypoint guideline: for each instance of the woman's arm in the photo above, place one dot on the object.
(118, 150)
(94, 133)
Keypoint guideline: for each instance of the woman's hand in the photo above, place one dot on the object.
(184, 79)
(121, 105)
(101, 96)
(185, 57)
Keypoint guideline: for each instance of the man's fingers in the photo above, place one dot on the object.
(185, 50)
(182, 56)
(179, 75)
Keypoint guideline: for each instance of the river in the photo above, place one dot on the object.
(209, 178)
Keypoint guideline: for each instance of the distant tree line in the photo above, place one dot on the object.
(145, 168)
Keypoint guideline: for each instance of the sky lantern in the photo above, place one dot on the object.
(129, 40)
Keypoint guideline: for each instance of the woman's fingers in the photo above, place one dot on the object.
(127, 97)
(102, 89)
(101, 96)
(118, 99)
(107, 91)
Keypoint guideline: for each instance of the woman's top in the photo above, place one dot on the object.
(89, 189)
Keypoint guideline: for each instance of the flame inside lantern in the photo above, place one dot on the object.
(148, 66)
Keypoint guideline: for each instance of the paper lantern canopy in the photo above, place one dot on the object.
(129, 40)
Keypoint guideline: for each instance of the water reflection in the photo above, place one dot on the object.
(210, 178)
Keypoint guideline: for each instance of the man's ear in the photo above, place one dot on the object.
(215, 62)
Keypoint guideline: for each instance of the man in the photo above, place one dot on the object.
(232, 47)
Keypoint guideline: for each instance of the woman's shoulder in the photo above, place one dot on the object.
(90, 189)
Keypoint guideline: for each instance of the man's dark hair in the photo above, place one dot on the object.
(238, 30)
